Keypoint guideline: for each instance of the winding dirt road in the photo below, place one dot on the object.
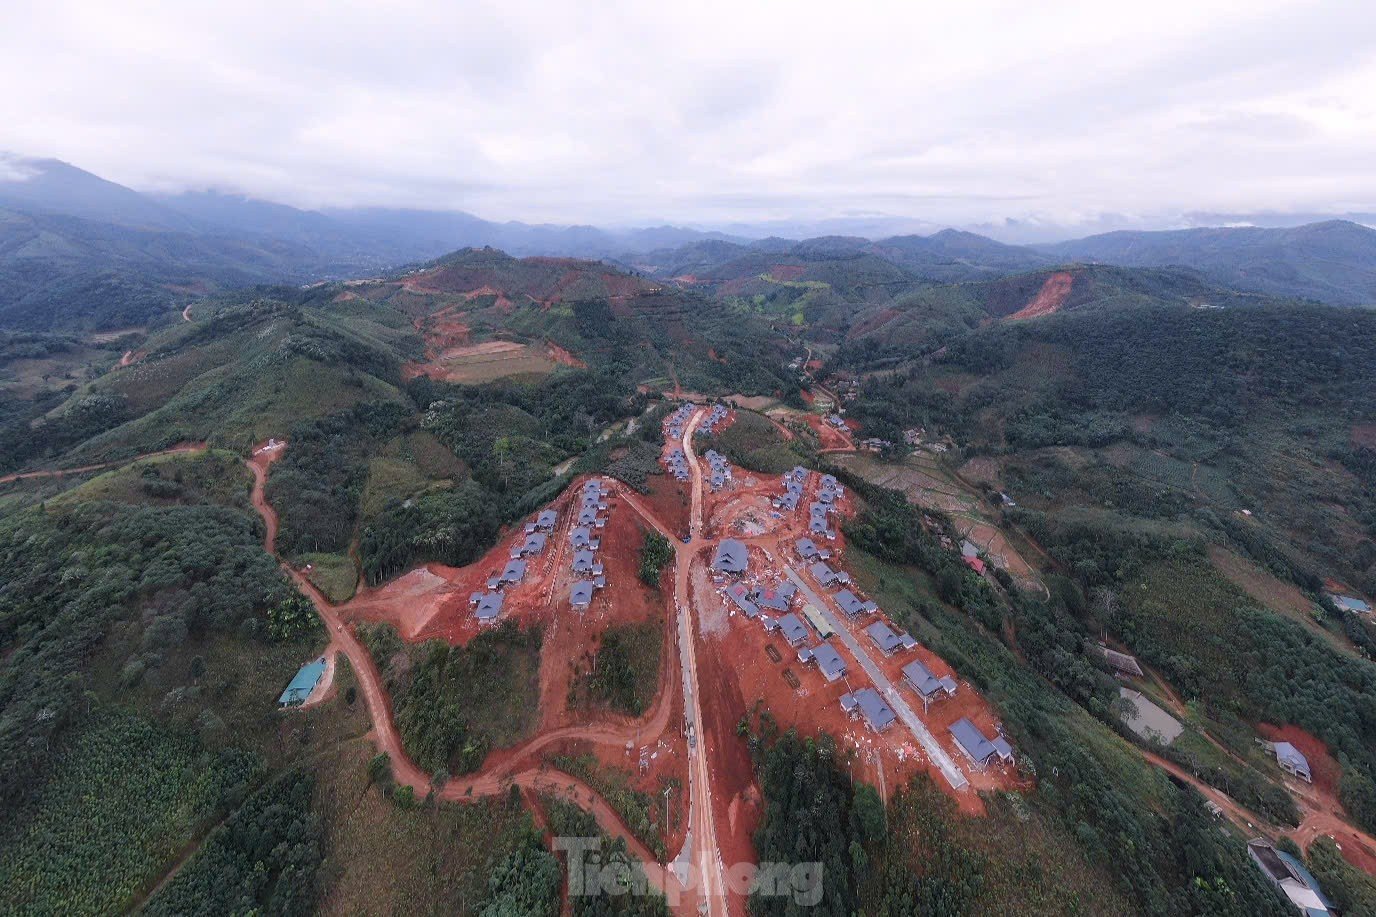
(470, 787)
(183, 449)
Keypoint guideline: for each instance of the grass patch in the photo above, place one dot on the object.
(383, 859)
(214, 476)
(333, 574)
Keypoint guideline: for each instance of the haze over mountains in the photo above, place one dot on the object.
(65, 233)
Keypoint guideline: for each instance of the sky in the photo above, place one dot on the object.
(712, 113)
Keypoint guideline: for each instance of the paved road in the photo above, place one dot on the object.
(711, 884)
(948, 767)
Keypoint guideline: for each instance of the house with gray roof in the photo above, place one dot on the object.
(741, 598)
(580, 593)
(825, 575)
(1293, 761)
(533, 545)
(828, 661)
(976, 747)
(547, 520)
(868, 703)
(883, 637)
(853, 605)
(581, 537)
(731, 557)
(927, 685)
(512, 573)
(585, 562)
(820, 528)
(806, 548)
(779, 598)
(793, 629)
(489, 606)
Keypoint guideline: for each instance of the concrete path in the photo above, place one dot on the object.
(948, 767)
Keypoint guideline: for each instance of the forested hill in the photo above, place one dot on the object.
(1333, 261)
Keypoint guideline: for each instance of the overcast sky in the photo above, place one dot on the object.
(708, 112)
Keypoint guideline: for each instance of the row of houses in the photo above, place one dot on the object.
(675, 422)
(718, 469)
(487, 606)
(714, 417)
(585, 544)
(677, 463)
(794, 482)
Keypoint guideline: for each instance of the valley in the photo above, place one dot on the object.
(668, 559)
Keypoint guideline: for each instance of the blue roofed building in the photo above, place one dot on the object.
(303, 684)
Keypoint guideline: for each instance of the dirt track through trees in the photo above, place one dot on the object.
(183, 449)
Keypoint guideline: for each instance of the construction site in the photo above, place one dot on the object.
(760, 614)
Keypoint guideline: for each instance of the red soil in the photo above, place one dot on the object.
(787, 271)
(830, 438)
(562, 356)
(1050, 298)
(669, 500)
(1325, 770)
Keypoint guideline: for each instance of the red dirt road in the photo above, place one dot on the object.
(387, 740)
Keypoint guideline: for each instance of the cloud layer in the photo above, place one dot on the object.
(711, 112)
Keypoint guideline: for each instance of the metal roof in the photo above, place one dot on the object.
(1289, 754)
(514, 571)
(877, 713)
(581, 593)
(829, 661)
(547, 518)
(303, 684)
(793, 628)
(921, 678)
(850, 603)
(974, 744)
(489, 606)
(883, 636)
(737, 594)
(731, 557)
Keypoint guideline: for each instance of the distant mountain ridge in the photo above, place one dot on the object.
(1332, 261)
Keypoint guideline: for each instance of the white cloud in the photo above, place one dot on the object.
(711, 111)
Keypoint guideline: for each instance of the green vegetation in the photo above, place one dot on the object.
(639, 810)
(210, 477)
(624, 675)
(527, 882)
(168, 574)
(263, 859)
(124, 796)
(812, 814)
(1351, 891)
(454, 703)
(318, 483)
(1091, 786)
(631, 899)
(656, 553)
(755, 444)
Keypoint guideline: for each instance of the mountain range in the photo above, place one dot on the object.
(78, 250)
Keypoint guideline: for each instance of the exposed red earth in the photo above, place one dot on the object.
(717, 667)
(1049, 298)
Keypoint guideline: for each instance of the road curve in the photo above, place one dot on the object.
(385, 736)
